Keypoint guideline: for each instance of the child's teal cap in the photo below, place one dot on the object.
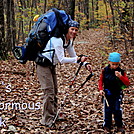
(114, 57)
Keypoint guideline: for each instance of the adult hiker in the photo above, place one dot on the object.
(114, 80)
(53, 54)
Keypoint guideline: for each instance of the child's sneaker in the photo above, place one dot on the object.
(107, 130)
(121, 129)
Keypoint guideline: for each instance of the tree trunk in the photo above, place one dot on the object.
(92, 13)
(45, 5)
(112, 11)
(113, 22)
(8, 25)
(2, 32)
(86, 12)
(13, 24)
(97, 9)
(107, 14)
(72, 8)
(23, 3)
(132, 29)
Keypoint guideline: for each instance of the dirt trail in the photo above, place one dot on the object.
(84, 111)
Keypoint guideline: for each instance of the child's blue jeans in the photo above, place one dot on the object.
(114, 108)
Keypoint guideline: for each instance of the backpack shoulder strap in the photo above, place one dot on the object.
(63, 38)
(60, 27)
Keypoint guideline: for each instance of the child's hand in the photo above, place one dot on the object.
(102, 92)
(118, 74)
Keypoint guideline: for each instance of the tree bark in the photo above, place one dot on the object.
(86, 12)
(72, 8)
(13, 24)
(113, 22)
(8, 25)
(2, 31)
(45, 5)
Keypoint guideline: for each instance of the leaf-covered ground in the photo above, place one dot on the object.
(20, 94)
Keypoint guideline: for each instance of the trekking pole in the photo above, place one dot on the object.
(88, 78)
(72, 82)
(61, 106)
(63, 102)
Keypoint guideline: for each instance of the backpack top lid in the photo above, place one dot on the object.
(51, 19)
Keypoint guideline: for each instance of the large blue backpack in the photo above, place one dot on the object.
(52, 23)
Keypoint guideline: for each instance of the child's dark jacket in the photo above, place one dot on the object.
(111, 81)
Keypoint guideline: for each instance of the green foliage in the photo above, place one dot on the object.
(99, 16)
(80, 17)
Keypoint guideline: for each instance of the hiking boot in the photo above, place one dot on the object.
(48, 125)
(61, 117)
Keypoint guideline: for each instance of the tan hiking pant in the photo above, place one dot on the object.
(48, 82)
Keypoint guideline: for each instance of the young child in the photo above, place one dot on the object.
(112, 80)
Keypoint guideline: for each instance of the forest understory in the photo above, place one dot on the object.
(83, 111)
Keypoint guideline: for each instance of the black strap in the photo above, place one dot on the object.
(60, 27)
